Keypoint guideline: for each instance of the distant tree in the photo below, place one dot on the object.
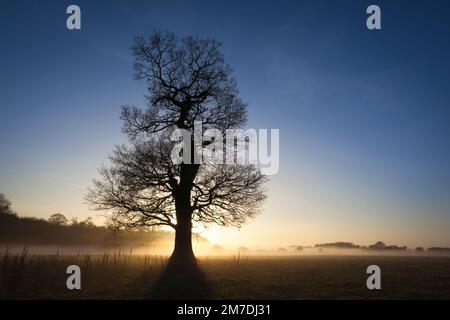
(113, 227)
(379, 245)
(5, 205)
(58, 219)
(382, 246)
(187, 81)
(420, 249)
(88, 223)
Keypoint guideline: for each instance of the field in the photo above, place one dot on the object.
(123, 275)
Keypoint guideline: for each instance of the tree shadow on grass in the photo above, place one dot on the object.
(182, 281)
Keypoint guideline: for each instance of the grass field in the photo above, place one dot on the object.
(122, 275)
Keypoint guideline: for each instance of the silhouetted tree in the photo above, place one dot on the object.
(187, 81)
(88, 223)
(5, 205)
(58, 219)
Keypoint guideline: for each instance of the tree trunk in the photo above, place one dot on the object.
(183, 255)
(182, 278)
(183, 237)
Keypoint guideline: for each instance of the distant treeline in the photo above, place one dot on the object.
(438, 250)
(378, 246)
(350, 245)
(340, 245)
(33, 231)
(57, 230)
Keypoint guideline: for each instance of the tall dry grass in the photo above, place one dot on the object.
(22, 271)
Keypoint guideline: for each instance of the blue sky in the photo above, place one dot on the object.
(363, 115)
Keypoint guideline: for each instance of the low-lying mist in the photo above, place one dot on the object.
(164, 247)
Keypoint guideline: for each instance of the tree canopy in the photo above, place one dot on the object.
(187, 81)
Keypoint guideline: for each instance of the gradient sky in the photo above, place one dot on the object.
(363, 115)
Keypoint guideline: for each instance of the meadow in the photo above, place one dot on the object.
(124, 275)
